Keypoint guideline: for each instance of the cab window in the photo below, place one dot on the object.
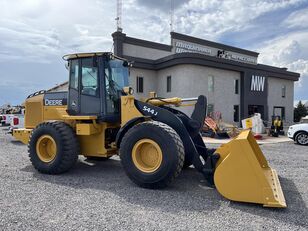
(74, 72)
(89, 78)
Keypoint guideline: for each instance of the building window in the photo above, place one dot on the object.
(236, 86)
(168, 83)
(211, 83)
(210, 110)
(139, 84)
(283, 93)
(236, 115)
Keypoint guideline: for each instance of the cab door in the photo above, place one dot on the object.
(73, 103)
(84, 91)
(90, 103)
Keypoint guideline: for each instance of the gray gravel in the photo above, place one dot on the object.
(101, 197)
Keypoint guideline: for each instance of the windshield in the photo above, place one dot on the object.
(116, 75)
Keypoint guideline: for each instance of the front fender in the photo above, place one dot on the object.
(128, 126)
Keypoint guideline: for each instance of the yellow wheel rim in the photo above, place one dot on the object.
(46, 148)
(147, 155)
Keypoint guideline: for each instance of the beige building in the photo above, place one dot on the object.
(231, 78)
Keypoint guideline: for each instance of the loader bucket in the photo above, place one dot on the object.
(242, 173)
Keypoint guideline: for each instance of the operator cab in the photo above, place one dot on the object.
(96, 81)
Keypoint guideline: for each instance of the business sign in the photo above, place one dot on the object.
(184, 47)
(236, 57)
(257, 83)
(181, 47)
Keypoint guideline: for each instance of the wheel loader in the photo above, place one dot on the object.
(99, 117)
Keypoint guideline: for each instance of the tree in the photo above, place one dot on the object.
(300, 111)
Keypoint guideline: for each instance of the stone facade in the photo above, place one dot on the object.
(276, 99)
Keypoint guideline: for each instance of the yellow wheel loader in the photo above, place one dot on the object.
(99, 117)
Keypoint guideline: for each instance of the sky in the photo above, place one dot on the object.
(35, 34)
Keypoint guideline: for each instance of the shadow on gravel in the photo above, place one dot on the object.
(187, 192)
(17, 143)
(296, 212)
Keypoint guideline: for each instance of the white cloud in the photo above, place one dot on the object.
(41, 31)
(213, 18)
(289, 51)
(297, 19)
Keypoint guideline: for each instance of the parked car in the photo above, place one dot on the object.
(299, 133)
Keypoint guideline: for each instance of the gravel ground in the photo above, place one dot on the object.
(99, 196)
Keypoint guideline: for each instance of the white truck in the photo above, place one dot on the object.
(5, 121)
(17, 121)
(299, 133)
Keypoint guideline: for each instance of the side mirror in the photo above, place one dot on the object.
(125, 64)
(67, 66)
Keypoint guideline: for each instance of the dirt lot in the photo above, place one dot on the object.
(99, 196)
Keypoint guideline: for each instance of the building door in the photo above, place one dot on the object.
(252, 109)
(279, 111)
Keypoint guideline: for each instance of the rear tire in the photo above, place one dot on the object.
(152, 154)
(53, 147)
(302, 138)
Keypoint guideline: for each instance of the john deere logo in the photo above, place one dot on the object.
(257, 83)
(53, 102)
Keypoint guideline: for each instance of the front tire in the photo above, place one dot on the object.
(152, 154)
(302, 138)
(53, 147)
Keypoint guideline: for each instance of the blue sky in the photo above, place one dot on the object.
(34, 34)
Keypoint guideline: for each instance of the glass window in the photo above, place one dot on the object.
(74, 71)
(116, 77)
(118, 74)
(236, 86)
(210, 110)
(236, 115)
(283, 91)
(168, 83)
(89, 78)
(211, 83)
(139, 84)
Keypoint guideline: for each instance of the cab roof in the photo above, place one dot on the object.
(85, 55)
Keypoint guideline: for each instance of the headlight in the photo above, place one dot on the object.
(291, 128)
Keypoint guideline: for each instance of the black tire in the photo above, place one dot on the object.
(301, 138)
(96, 158)
(172, 154)
(66, 143)
(187, 160)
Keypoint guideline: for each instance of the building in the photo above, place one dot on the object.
(235, 84)
(59, 87)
